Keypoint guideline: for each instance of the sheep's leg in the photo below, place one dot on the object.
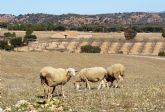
(62, 91)
(106, 83)
(119, 85)
(45, 92)
(57, 92)
(111, 85)
(87, 84)
(49, 94)
(116, 84)
(120, 79)
(53, 90)
(100, 85)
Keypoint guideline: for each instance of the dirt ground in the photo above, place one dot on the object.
(143, 88)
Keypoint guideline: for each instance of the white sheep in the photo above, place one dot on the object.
(53, 77)
(95, 74)
(116, 73)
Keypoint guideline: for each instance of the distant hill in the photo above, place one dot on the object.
(76, 19)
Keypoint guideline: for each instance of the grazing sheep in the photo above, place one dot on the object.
(95, 74)
(53, 77)
(115, 72)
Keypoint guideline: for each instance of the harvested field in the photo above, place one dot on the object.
(143, 87)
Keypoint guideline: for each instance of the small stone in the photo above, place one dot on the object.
(1, 110)
(70, 110)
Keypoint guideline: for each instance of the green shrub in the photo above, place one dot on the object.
(16, 42)
(130, 33)
(8, 34)
(90, 49)
(161, 53)
(3, 44)
(9, 47)
(29, 32)
(28, 38)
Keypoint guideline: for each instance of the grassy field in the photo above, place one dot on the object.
(143, 87)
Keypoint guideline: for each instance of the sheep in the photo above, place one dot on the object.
(94, 74)
(53, 77)
(116, 73)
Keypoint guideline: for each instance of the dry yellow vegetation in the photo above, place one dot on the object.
(49, 35)
(143, 87)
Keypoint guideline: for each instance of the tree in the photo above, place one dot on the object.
(29, 32)
(39, 27)
(59, 28)
(29, 37)
(130, 33)
(163, 33)
(50, 27)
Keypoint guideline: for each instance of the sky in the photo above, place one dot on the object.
(58, 7)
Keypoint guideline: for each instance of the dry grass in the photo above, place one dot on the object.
(143, 88)
(46, 35)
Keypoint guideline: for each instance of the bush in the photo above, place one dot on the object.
(60, 28)
(90, 49)
(8, 34)
(16, 42)
(9, 47)
(161, 53)
(3, 44)
(28, 38)
(29, 32)
(130, 33)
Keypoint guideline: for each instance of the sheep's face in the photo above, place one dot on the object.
(71, 71)
(120, 77)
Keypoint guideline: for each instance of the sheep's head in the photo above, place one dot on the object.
(122, 75)
(71, 71)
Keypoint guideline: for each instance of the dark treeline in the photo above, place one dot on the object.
(3, 25)
(94, 28)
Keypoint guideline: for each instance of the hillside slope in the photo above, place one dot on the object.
(76, 19)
